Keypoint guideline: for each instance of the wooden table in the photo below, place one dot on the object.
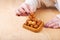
(11, 26)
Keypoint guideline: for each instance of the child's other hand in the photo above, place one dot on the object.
(23, 10)
(54, 23)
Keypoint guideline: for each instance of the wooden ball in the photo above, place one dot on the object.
(26, 23)
(31, 14)
(33, 19)
(39, 22)
(30, 17)
(35, 26)
(33, 23)
(29, 22)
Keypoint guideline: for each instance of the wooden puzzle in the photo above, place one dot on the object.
(33, 24)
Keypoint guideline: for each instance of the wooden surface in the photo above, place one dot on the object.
(11, 25)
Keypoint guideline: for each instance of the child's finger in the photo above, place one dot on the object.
(23, 14)
(48, 23)
(52, 24)
(21, 10)
(18, 13)
(56, 26)
(26, 9)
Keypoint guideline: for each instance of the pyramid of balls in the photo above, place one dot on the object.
(33, 24)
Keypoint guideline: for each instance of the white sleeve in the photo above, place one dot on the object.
(58, 15)
(34, 4)
(57, 5)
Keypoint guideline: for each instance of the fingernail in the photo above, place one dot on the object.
(27, 13)
(46, 26)
(17, 14)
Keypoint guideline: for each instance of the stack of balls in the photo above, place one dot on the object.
(33, 24)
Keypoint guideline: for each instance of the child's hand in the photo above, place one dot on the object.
(54, 23)
(23, 10)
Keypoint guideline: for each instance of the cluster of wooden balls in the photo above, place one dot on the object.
(33, 21)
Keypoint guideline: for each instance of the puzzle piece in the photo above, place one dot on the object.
(33, 23)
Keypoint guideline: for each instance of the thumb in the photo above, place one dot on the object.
(32, 9)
